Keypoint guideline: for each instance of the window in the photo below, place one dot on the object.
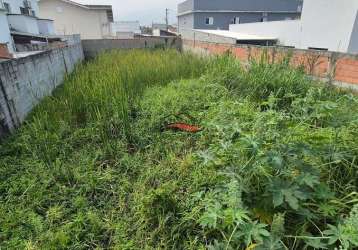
(24, 11)
(7, 7)
(264, 17)
(209, 21)
(235, 20)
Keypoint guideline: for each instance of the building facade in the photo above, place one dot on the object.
(19, 23)
(328, 31)
(210, 14)
(90, 21)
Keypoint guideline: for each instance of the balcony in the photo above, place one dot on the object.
(46, 26)
(23, 23)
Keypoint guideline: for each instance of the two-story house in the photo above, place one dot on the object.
(19, 23)
(213, 14)
(90, 21)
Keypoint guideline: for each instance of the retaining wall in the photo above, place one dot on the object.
(338, 68)
(25, 81)
(95, 46)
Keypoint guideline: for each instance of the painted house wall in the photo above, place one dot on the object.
(248, 5)
(5, 36)
(328, 23)
(16, 4)
(321, 26)
(225, 11)
(72, 19)
(186, 22)
(223, 20)
(353, 44)
(23, 23)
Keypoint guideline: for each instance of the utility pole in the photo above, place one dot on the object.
(166, 18)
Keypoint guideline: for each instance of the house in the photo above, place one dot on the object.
(20, 25)
(6, 42)
(324, 25)
(209, 14)
(125, 29)
(90, 21)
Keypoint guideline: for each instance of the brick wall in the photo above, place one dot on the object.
(25, 81)
(4, 52)
(338, 68)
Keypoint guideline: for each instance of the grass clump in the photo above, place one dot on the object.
(274, 167)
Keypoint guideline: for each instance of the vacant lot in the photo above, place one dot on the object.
(96, 167)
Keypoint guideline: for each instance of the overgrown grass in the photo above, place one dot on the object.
(274, 167)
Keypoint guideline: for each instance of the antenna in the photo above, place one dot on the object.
(166, 18)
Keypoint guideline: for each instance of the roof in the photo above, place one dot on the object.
(238, 36)
(88, 6)
(107, 8)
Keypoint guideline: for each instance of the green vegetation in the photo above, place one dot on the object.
(275, 166)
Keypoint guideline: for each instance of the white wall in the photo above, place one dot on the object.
(286, 31)
(5, 36)
(71, 19)
(23, 23)
(328, 24)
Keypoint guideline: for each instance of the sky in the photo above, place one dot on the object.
(145, 11)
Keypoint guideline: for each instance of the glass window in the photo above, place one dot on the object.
(209, 21)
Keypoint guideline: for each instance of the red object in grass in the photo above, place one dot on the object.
(184, 127)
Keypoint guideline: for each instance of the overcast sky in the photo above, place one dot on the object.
(145, 11)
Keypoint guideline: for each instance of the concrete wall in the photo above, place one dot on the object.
(353, 44)
(328, 23)
(185, 6)
(337, 68)
(23, 23)
(5, 36)
(25, 81)
(287, 31)
(72, 19)
(185, 22)
(93, 47)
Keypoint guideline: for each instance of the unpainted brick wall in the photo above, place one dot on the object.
(4, 52)
(339, 68)
(25, 81)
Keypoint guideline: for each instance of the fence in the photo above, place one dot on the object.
(93, 47)
(338, 68)
(25, 81)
